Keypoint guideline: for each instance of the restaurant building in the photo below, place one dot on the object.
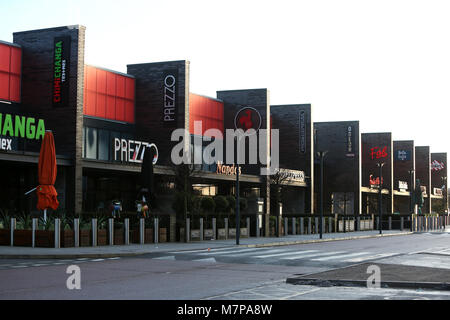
(102, 119)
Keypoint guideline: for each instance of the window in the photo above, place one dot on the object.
(103, 145)
(91, 143)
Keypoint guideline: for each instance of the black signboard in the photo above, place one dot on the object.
(350, 137)
(61, 64)
(169, 101)
(403, 155)
(302, 128)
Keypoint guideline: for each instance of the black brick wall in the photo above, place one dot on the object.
(423, 173)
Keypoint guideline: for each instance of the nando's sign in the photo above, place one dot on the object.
(248, 118)
(61, 63)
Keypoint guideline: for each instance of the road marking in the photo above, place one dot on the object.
(97, 260)
(19, 266)
(81, 259)
(115, 258)
(286, 254)
(244, 250)
(165, 258)
(341, 256)
(203, 250)
(376, 256)
(301, 256)
(206, 260)
(39, 265)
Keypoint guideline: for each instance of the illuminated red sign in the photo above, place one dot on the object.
(375, 181)
(377, 152)
(248, 118)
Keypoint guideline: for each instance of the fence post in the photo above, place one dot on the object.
(33, 232)
(214, 227)
(309, 225)
(12, 228)
(188, 230)
(94, 232)
(57, 233)
(141, 231)
(127, 231)
(76, 232)
(156, 230)
(286, 226)
(201, 229)
(226, 228)
(111, 231)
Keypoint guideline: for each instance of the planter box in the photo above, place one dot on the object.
(148, 236)
(232, 233)
(195, 234)
(272, 232)
(45, 238)
(5, 237)
(162, 235)
(208, 234)
(221, 233)
(119, 236)
(85, 238)
(22, 238)
(244, 232)
(102, 237)
(67, 238)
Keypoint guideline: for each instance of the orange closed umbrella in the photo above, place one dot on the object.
(46, 191)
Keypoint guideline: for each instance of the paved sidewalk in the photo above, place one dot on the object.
(7, 252)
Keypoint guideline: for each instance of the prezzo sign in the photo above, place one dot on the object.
(61, 62)
(170, 100)
(132, 151)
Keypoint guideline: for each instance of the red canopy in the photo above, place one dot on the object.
(46, 192)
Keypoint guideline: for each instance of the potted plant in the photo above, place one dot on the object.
(23, 232)
(102, 231)
(85, 232)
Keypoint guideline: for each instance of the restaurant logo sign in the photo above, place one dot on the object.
(21, 127)
(402, 185)
(248, 118)
(227, 170)
(350, 142)
(170, 97)
(437, 165)
(292, 175)
(437, 191)
(403, 155)
(375, 182)
(132, 151)
(61, 62)
(378, 152)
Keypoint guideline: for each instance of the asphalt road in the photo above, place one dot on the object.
(226, 273)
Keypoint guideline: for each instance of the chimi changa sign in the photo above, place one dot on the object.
(61, 62)
(20, 127)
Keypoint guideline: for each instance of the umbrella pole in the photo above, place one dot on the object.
(45, 215)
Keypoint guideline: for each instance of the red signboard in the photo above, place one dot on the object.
(10, 72)
(207, 110)
(108, 95)
(378, 152)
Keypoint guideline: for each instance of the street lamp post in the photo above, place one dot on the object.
(380, 209)
(321, 155)
(411, 195)
(238, 218)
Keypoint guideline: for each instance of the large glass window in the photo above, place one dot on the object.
(103, 145)
(91, 143)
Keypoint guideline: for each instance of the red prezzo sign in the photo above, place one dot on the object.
(378, 152)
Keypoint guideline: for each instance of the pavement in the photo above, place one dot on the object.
(8, 252)
(391, 276)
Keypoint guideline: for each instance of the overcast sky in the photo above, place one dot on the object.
(384, 63)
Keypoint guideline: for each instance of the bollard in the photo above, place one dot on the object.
(248, 226)
(378, 223)
(33, 232)
(111, 231)
(57, 233)
(156, 230)
(76, 232)
(12, 228)
(330, 225)
(293, 226)
(344, 225)
(309, 225)
(257, 226)
(188, 229)
(141, 230)
(214, 227)
(316, 225)
(302, 225)
(201, 229)
(358, 224)
(127, 231)
(390, 223)
(401, 223)
(286, 226)
(226, 228)
(94, 232)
